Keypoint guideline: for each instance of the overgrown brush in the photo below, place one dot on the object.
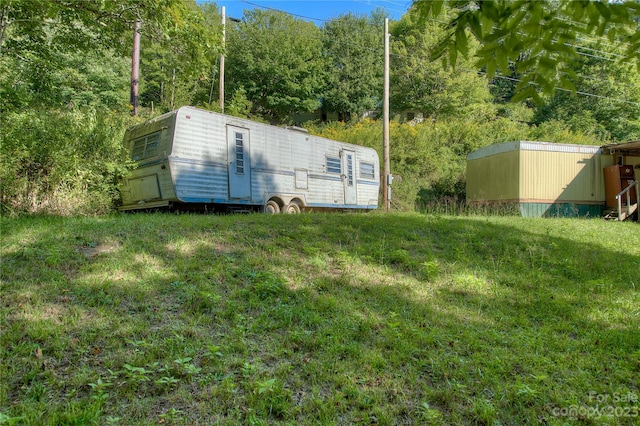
(63, 162)
(429, 159)
(67, 162)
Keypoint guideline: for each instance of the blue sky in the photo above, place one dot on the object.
(317, 11)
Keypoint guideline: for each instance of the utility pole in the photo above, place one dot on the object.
(135, 68)
(386, 182)
(224, 30)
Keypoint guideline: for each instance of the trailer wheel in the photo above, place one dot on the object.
(292, 208)
(272, 207)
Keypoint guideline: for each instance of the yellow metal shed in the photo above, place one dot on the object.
(541, 178)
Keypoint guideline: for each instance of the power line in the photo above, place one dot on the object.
(597, 54)
(394, 3)
(288, 13)
(504, 77)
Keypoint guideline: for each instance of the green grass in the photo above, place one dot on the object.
(319, 319)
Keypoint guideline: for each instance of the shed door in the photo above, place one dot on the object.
(239, 162)
(349, 177)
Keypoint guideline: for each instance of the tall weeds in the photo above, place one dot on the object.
(61, 162)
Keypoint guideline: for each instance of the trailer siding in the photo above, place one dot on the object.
(137, 188)
(201, 151)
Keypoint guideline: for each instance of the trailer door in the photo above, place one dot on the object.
(239, 162)
(348, 178)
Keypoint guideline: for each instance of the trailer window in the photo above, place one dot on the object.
(239, 141)
(334, 165)
(367, 171)
(349, 169)
(145, 147)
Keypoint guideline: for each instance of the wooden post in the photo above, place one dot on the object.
(386, 189)
(224, 30)
(135, 68)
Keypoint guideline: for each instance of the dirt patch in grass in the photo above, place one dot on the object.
(96, 249)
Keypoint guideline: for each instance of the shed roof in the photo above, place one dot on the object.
(627, 148)
(532, 146)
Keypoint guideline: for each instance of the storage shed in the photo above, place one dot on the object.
(540, 178)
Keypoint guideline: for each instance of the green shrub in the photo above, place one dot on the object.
(61, 161)
(428, 159)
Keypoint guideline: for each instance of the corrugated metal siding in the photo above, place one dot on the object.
(272, 162)
(532, 146)
(559, 147)
(199, 157)
(199, 181)
(201, 137)
(560, 176)
(493, 177)
(552, 179)
(494, 149)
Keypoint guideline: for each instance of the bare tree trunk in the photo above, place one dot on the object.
(4, 23)
(173, 88)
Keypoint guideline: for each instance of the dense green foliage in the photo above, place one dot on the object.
(607, 80)
(62, 125)
(313, 319)
(274, 59)
(179, 67)
(542, 38)
(64, 93)
(428, 160)
(422, 85)
(64, 85)
(355, 65)
(70, 172)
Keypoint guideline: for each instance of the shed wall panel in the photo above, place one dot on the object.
(550, 179)
(494, 177)
(561, 176)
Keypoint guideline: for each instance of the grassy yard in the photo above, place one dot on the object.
(319, 319)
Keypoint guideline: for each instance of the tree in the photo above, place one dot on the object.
(60, 144)
(420, 84)
(62, 25)
(177, 62)
(277, 60)
(353, 46)
(36, 34)
(608, 102)
(64, 89)
(540, 37)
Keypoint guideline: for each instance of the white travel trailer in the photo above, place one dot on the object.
(192, 158)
